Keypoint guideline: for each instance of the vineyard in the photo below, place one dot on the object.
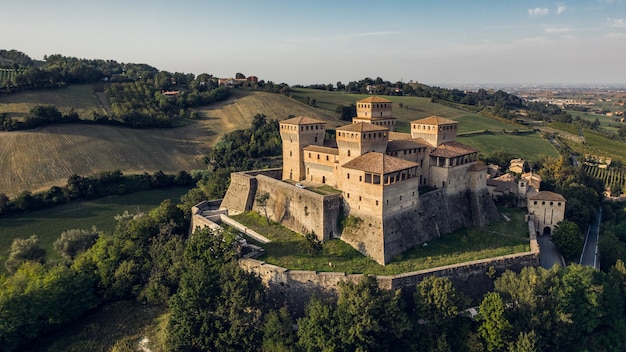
(7, 75)
(611, 177)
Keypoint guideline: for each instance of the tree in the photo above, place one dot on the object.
(317, 330)
(24, 250)
(439, 307)
(568, 239)
(370, 319)
(437, 300)
(4, 203)
(495, 327)
(75, 241)
(526, 342)
(239, 75)
(261, 201)
(216, 306)
(278, 333)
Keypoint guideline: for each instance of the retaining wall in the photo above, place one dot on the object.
(295, 287)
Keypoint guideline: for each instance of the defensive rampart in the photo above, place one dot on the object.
(295, 287)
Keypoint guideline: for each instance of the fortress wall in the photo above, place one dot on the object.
(439, 213)
(367, 236)
(301, 210)
(457, 178)
(401, 195)
(240, 194)
(438, 175)
(295, 287)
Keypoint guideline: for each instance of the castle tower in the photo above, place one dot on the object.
(375, 110)
(360, 138)
(297, 133)
(434, 130)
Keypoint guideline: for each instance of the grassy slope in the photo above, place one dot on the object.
(529, 147)
(286, 249)
(49, 223)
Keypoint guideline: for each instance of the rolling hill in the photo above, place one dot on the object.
(38, 159)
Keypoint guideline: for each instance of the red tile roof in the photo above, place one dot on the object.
(452, 149)
(435, 120)
(404, 144)
(321, 149)
(361, 127)
(374, 99)
(547, 195)
(378, 163)
(302, 120)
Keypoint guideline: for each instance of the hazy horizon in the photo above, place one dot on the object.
(490, 42)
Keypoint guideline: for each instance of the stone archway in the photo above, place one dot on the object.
(547, 231)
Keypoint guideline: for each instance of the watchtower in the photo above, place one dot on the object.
(376, 111)
(361, 138)
(435, 130)
(297, 133)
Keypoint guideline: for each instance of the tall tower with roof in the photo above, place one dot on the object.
(297, 133)
(360, 138)
(435, 130)
(376, 111)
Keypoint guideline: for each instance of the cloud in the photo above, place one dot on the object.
(538, 11)
(560, 8)
(558, 30)
(616, 22)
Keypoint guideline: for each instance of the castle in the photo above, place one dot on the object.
(374, 175)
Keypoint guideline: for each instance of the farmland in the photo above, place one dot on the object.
(38, 159)
(413, 108)
(80, 98)
(611, 177)
(528, 146)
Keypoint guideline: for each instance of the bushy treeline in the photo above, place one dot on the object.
(38, 116)
(141, 259)
(612, 241)
(215, 305)
(499, 99)
(101, 185)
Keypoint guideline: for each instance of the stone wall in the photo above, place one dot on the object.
(240, 194)
(295, 287)
(299, 209)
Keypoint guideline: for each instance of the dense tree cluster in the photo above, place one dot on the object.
(80, 188)
(612, 240)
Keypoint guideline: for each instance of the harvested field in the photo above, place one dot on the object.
(237, 112)
(80, 98)
(36, 160)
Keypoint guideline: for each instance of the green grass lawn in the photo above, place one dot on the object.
(48, 224)
(527, 146)
(286, 249)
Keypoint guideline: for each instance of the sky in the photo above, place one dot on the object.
(307, 42)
